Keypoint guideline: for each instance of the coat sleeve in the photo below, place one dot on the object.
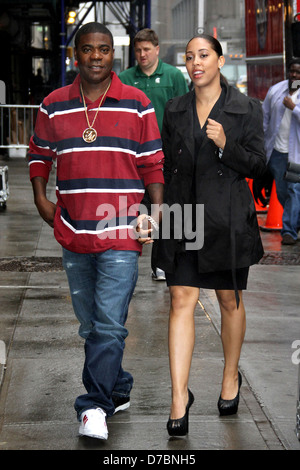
(166, 145)
(247, 156)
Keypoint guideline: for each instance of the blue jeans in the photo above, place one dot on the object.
(288, 194)
(101, 287)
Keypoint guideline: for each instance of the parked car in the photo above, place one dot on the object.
(235, 71)
(241, 84)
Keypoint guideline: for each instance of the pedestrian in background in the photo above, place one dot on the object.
(160, 82)
(281, 109)
(212, 141)
(105, 158)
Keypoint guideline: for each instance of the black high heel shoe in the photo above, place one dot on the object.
(180, 427)
(230, 407)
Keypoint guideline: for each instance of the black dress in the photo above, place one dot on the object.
(186, 271)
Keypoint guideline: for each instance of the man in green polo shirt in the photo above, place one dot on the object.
(158, 80)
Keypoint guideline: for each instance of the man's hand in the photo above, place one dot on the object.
(143, 229)
(288, 103)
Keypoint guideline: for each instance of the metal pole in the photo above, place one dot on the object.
(132, 32)
(69, 39)
(63, 45)
(148, 15)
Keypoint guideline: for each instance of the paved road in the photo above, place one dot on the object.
(44, 354)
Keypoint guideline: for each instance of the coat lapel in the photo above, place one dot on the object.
(235, 103)
(182, 119)
(182, 114)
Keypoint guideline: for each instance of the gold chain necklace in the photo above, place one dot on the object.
(90, 134)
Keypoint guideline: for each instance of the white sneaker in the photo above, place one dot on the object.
(93, 424)
(158, 275)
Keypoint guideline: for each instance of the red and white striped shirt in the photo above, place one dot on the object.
(100, 184)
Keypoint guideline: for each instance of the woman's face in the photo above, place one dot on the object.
(202, 62)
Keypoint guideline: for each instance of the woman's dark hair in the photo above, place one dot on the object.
(93, 27)
(216, 46)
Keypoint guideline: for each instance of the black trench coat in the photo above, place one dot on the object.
(231, 233)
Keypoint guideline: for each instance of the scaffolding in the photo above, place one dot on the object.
(133, 15)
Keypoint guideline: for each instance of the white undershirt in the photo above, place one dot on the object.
(282, 138)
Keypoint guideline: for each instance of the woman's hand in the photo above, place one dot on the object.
(143, 229)
(215, 132)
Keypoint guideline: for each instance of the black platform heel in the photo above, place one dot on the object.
(180, 427)
(230, 407)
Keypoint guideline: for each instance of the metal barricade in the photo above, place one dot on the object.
(16, 125)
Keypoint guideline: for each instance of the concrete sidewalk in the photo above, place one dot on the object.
(44, 354)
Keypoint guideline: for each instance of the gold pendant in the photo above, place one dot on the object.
(89, 135)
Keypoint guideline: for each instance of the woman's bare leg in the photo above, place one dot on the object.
(233, 327)
(181, 344)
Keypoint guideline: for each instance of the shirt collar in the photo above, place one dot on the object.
(113, 92)
(157, 71)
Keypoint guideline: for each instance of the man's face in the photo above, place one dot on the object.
(95, 56)
(146, 54)
(294, 77)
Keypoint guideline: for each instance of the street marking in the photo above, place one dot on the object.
(2, 353)
(33, 287)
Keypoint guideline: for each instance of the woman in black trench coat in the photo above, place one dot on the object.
(212, 141)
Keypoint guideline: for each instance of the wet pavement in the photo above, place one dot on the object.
(41, 354)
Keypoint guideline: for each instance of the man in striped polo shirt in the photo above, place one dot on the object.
(106, 142)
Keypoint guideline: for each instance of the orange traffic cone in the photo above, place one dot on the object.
(258, 205)
(274, 217)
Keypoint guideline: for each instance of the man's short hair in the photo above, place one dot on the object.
(146, 34)
(93, 27)
(295, 61)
